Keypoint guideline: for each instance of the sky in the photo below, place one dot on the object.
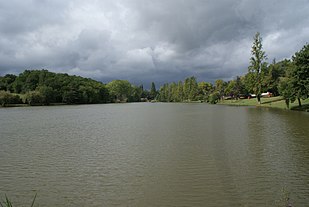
(147, 40)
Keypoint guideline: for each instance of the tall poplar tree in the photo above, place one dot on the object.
(257, 65)
(153, 91)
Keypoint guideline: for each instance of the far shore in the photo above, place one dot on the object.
(272, 102)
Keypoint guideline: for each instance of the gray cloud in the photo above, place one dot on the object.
(144, 41)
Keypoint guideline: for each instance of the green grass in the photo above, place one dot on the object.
(273, 102)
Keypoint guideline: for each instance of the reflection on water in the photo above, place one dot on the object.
(153, 155)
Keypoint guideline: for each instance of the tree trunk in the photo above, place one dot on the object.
(287, 102)
(258, 98)
(299, 102)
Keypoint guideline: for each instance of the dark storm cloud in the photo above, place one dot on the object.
(145, 41)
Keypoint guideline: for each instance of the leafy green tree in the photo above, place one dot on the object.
(186, 89)
(34, 98)
(6, 82)
(204, 90)
(286, 90)
(153, 91)
(70, 96)
(47, 94)
(214, 97)
(193, 89)
(230, 89)
(239, 87)
(120, 90)
(272, 76)
(234, 88)
(136, 94)
(164, 93)
(180, 91)
(257, 66)
(8, 98)
(103, 92)
(173, 88)
(87, 95)
(300, 74)
(220, 88)
(190, 89)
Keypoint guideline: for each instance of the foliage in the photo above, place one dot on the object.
(237, 88)
(273, 74)
(42, 87)
(8, 98)
(136, 94)
(288, 78)
(120, 90)
(153, 92)
(33, 98)
(300, 74)
(190, 89)
(257, 66)
(6, 82)
(214, 97)
(179, 92)
(285, 90)
(164, 93)
(204, 90)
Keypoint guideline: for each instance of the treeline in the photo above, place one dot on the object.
(241, 87)
(287, 78)
(41, 87)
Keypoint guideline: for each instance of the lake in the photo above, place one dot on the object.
(158, 154)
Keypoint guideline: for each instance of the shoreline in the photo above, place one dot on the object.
(272, 102)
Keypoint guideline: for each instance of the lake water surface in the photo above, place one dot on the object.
(153, 155)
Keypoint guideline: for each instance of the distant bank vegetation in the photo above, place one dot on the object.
(288, 78)
(41, 87)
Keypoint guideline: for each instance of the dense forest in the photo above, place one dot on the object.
(41, 87)
(287, 78)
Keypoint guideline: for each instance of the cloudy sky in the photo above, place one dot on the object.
(147, 40)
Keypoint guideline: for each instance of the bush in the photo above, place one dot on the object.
(8, 98)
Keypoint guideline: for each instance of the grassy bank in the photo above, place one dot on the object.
(273, 102)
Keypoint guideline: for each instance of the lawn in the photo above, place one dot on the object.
(273, 102)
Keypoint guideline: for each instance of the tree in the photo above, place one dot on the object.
(286, 90)
(214, 97)
(193, 89)
(258, 65)
(136, 94)
(180, 90)
(34, 98)
(204, 90)
(220, 88)
(103, 92)
(300, 74)
(120, 90)
(190, 89)
(164, 93)
(272, 76)
(8, 98)
(6, 82)
(173, 92)
(153, 91)
(47, 94)
(230, 89)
